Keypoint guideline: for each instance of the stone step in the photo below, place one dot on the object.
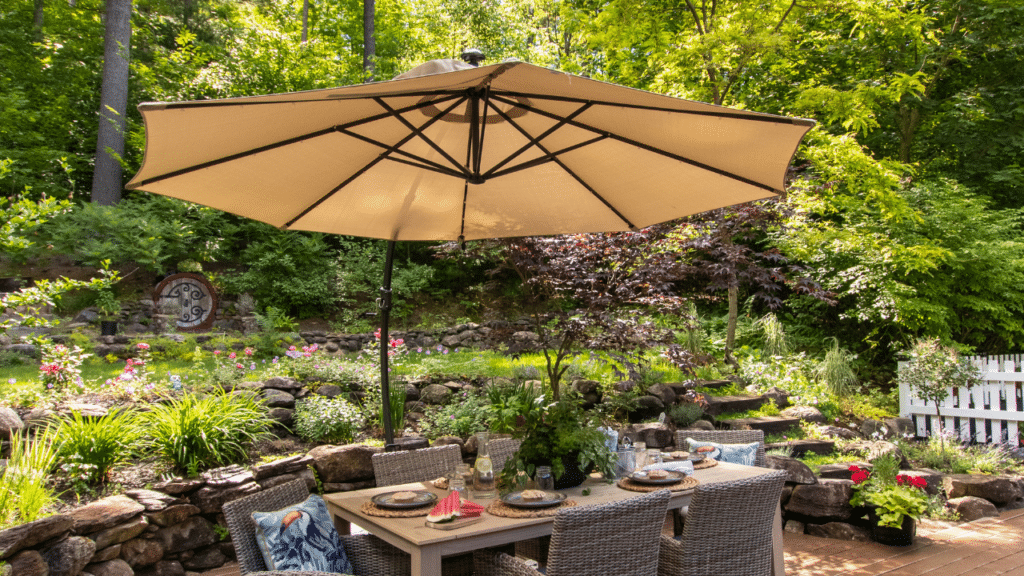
(725, 404)
(799, 448)
(770, 424)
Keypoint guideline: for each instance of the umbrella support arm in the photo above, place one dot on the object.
(384, 303)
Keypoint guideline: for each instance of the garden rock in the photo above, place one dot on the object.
(647, 407)
(666, 393)
(28, 535)
(176, 486)
(209, 499)
(38, 417)
(153, 501)
(875, 429)
(86, 410)
(172, 515)
(448, 440)
(435, 394)
(226, 476)
(411, 443)
(654, 434)
(839, 531)
(872, 449)
(23, 349)
(932, 477)
(115, 567)
(415, 406)
(68, 557)
(29, 563)
(105, 513)
(840, 471)
(700, 425)
(282, 416)
(826, 499)
(901, 427)
(306, 475)
(725, 404)
(329, 390)
(349, 463)
(411, 392)
(779, 395)
(275, 398)
(108, 553)
(794, 527)
(10, 423)
(282, 383)
(972, 508)
(796, 471)
(805, 413)
(193, 533)
(164, 568)
(120, 533)
(838, 432)
(799, 448)
(999, 490)
(283, 466)
(142, 552)
(204, 559)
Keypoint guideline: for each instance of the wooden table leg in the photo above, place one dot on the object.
(778, 555)
(426, 562)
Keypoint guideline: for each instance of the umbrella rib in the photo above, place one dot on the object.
(568, 170)
(419, 132)
(424, 163)
(547, 157)
(253, 151)
(385, 154)
(534, 141)
(647, 147)
(433, 168)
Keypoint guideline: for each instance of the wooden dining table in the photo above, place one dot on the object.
(428, 545)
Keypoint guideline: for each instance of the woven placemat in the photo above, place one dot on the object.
(706, 463)
(371, 509)
(684, 484)
(499, 508)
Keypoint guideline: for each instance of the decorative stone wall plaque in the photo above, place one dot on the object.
(192, 299)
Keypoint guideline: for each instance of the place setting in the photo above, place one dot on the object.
(652, 473)
(400, 504)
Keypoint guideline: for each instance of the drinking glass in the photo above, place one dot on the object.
(544, 479)
(653, 456)
(640, 450)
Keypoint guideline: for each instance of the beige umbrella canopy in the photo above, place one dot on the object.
(450, 151)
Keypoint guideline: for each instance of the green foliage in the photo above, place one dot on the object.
(194, 433)
(934, 370)
(508, 403)
(361, 265)
(892, 495)
(774, 335)
(24, 492)
(465, 415)
(328, 420)
(60, 371)
(108, 304)
(684, 415)
(836, 370)
(91, 447)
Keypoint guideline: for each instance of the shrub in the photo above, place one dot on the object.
(195, 433)
(90, 447)
(60, 369)
(464, 416)
(509, 402)
(322, 419)
(683, 415)
(23, 490)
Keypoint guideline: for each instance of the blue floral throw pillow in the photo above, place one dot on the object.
(734, 453)
(301, 537)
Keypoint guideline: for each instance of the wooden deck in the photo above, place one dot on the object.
(988, 547)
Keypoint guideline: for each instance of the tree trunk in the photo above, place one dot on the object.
(730, 335)
(369, 45)
(37, 20)
(305, 21)
(107, 179)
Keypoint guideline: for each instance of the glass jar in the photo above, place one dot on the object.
(653, 456)
(640, 450)
(484, 485)
(544, 479)
(466, 471)
(457, 484)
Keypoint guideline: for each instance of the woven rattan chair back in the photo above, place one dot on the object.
(725, 437)
(501, 449)
(618, 538)
(390, 468)
(238, 515)
(728, 530)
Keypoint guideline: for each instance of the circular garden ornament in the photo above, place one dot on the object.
(190, 298)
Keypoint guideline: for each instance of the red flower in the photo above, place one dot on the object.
(919, 482)
(143, 346)
(860, 476)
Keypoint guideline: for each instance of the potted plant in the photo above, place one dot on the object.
(559, 435)
(110, 311)
(895, 501)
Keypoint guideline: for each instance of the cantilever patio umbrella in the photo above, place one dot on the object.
(451, 151)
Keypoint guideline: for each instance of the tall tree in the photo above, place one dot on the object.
(305, 21)
(107, 179)
(369, 43)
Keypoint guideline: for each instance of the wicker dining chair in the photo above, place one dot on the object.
(501, 449)
(725, 437)
(368, 554)
(728, 531)
(390, 468)
(619, 538)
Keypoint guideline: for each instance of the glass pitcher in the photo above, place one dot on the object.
(484, 486)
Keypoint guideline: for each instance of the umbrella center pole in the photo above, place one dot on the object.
(384, 303)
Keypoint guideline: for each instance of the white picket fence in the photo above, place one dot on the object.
(989, 413)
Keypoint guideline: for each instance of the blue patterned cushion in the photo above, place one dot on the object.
(301, 537)
(734, 453)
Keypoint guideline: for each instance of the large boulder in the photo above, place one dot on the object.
(17, 538)
(115, 567)
(203, 559)
(647, 407)
(282, 383)
(120, 533)
(209, 499)
(153, 501)
(838, 432)
(10, 423)
(839, 531)
(666, 393)
(28, 563)
(826, 499)
(805, 413)
(796, 471)
(1000, 490)
(972, 508)
(142, 552)
(435, 394)
(275, 398)
(163, 568)
(654, 434)
(68, 557)
(287, 465)
(105, 513)
(196, 532)
(338, 464)
(872, 449)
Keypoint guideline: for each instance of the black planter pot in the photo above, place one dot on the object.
(108, 327)
(902, 536)
(573, 475)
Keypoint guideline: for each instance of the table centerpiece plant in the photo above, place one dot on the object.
(561, 435)
(895, 501)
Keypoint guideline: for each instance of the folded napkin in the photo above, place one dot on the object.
(681, 466)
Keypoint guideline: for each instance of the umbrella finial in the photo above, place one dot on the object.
(473, 56)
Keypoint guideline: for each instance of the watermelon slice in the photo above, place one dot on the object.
(452, 507)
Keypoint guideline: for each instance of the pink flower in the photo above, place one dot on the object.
(248, 352)
(239, 366)
(232, 355)
(216, 352)
(143, 346)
